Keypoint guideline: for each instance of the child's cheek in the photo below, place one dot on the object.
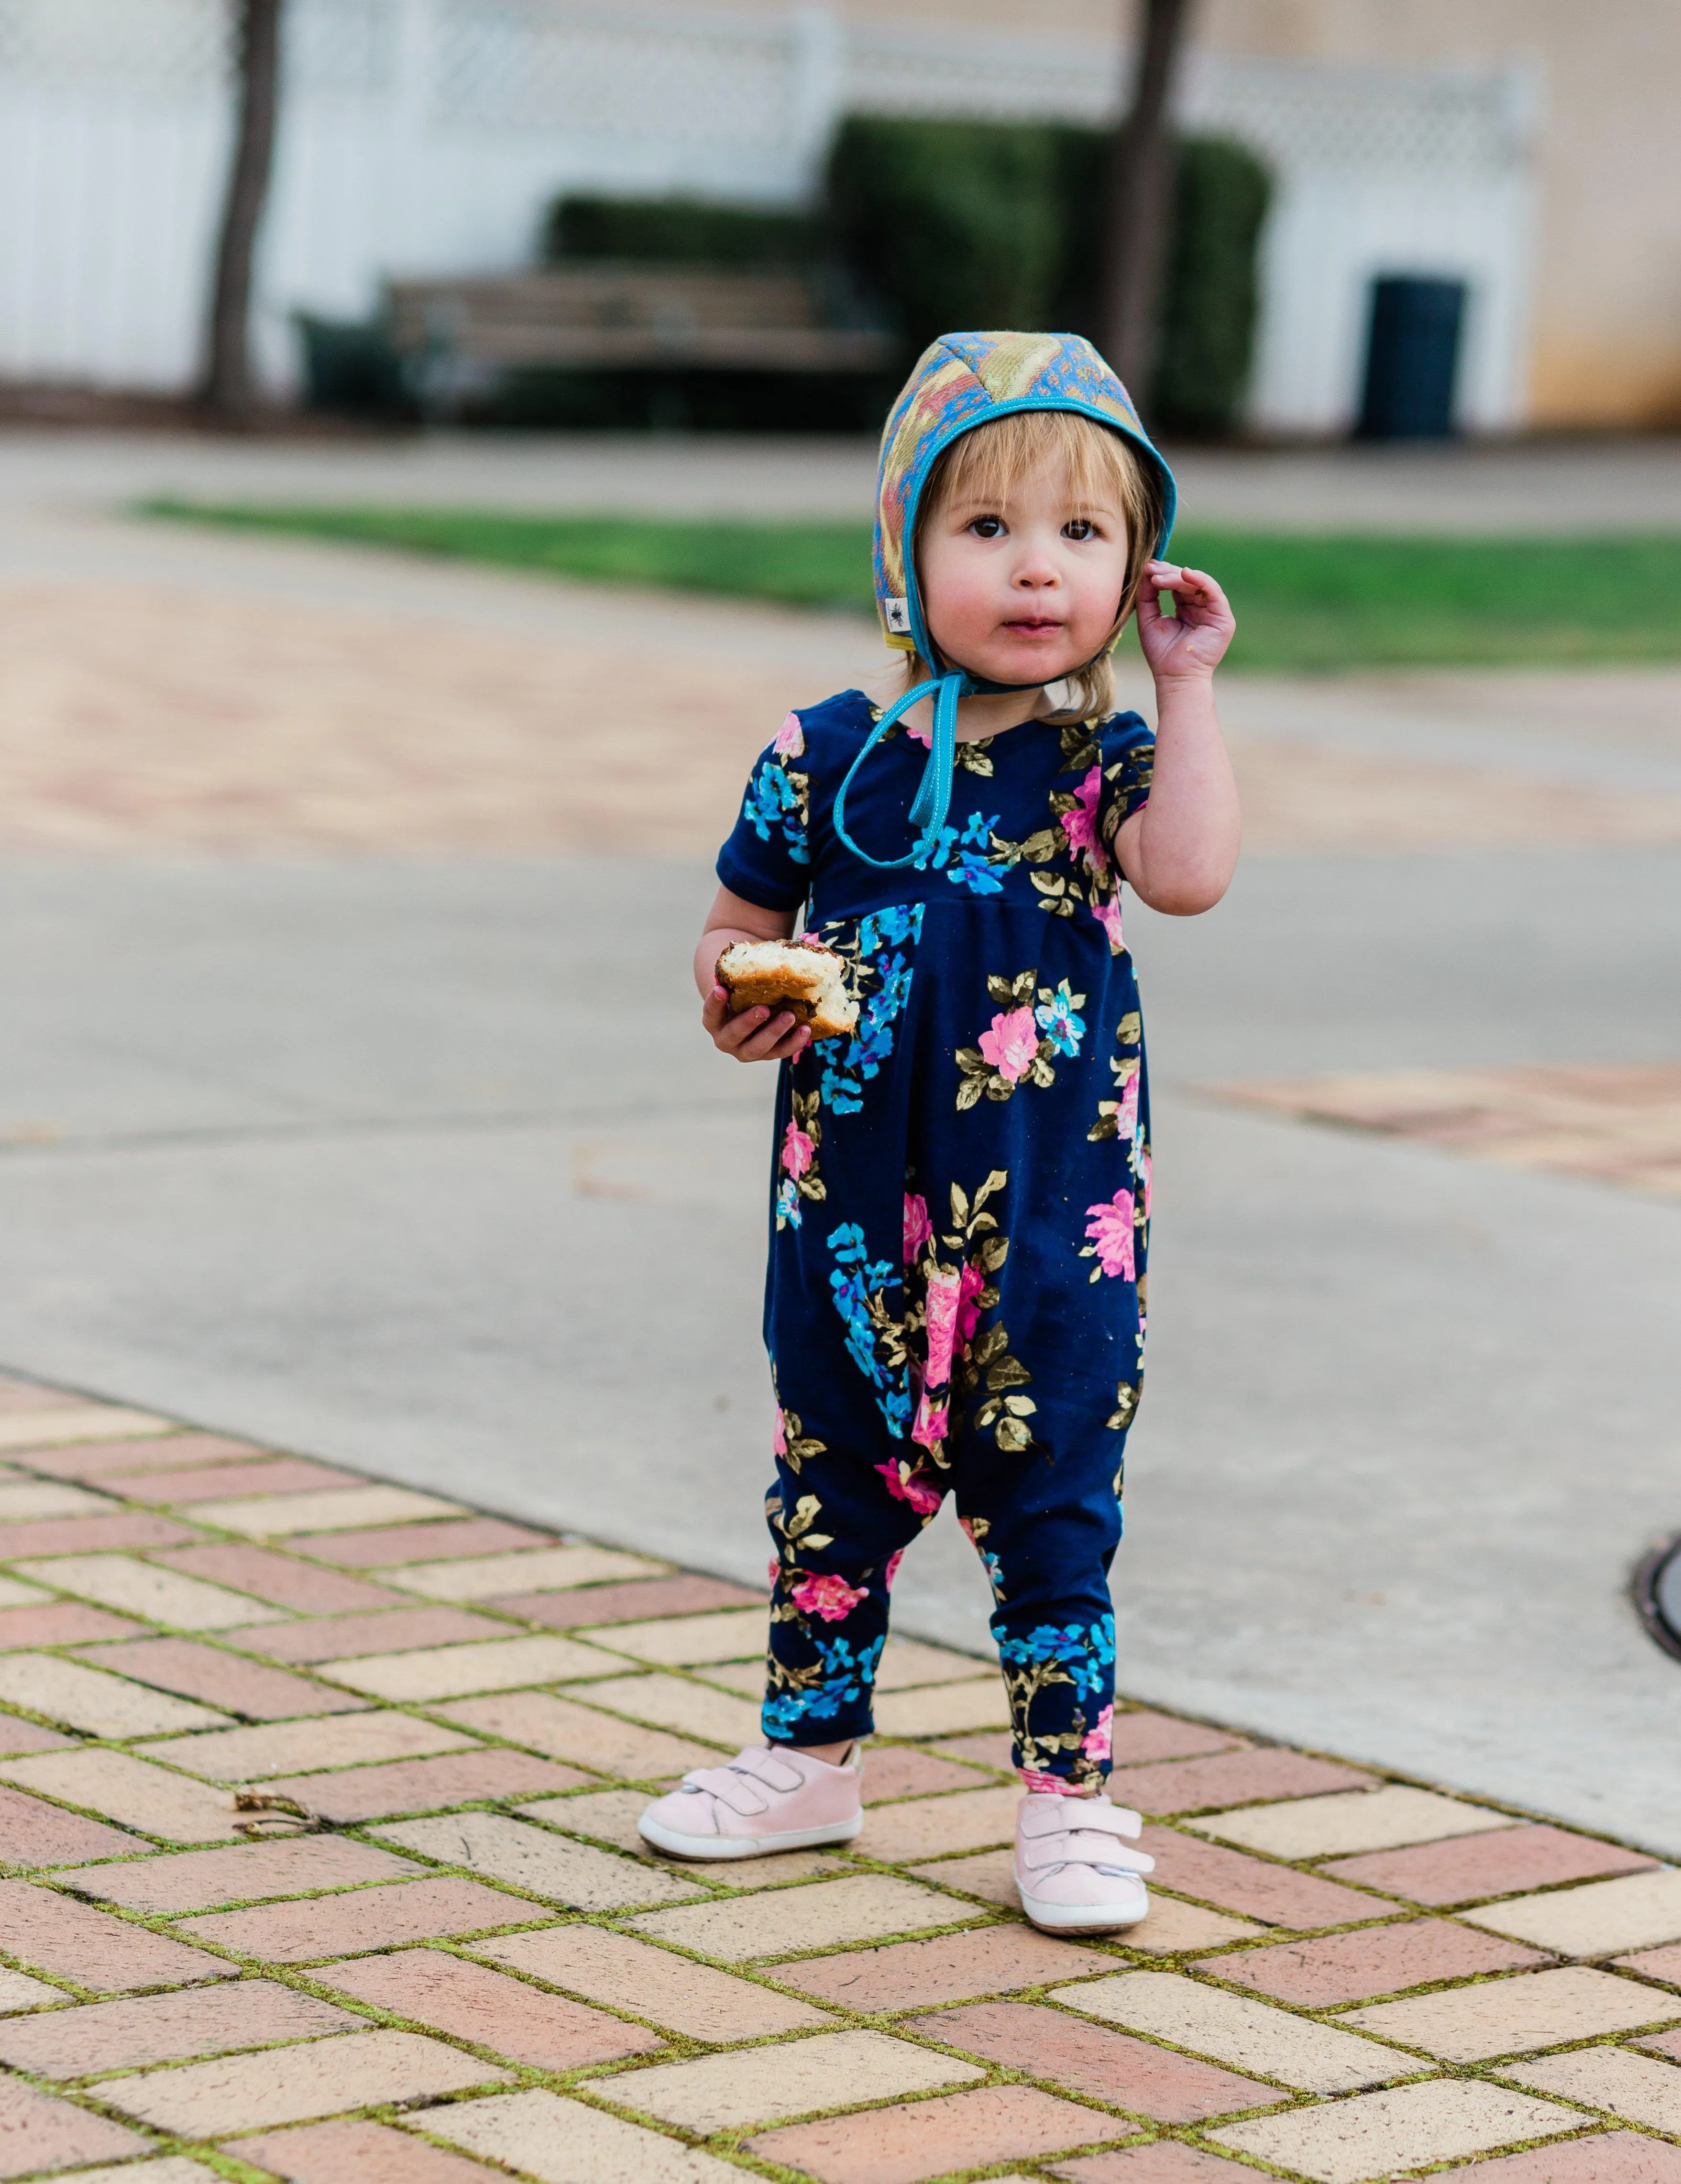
(962, 605)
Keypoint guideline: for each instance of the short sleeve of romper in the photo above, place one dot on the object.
(767, 859)
(1128, 749)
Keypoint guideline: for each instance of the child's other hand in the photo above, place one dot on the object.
(1193, 641)
(755, 1035)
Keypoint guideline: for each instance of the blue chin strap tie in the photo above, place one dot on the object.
(933, 799)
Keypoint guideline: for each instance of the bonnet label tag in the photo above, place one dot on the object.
(898, 616)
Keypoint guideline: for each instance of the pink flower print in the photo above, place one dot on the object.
(1110, 1229)
(892, 1570)
(932, 1424)
(944, 1293)
(923, 736)
(779, 1440)
(798, 1150)
(918, 1229)
(1126, 1121)
(1051, 1784)
(1108, 916)
(1099, 1738)
(971, 1282)
(790, 738)
(773, 1571)
(1080, 825)
(905, 1485)
(1143, 1177)
(831, 1598)
(1011, 1044)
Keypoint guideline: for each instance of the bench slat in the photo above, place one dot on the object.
(609, 315)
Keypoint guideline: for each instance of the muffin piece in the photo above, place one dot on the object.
(803, 977)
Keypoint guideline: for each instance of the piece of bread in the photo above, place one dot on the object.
(803, 977)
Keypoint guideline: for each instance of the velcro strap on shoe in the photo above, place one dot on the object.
(1049, 1815)
(1081, 1846)
(729, 1787)
(1111, 1819)
(773, 1768)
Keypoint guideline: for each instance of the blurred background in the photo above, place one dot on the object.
(436, 447)
(1525, 153)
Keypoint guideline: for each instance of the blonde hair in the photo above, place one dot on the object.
(1099, 464)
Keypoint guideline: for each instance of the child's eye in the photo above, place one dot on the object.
(987, 527)
(1081, 527)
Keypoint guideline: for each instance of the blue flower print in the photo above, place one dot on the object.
(944, 842)
(1055, 1017)
(973, 867)
(774, 800)
(847, 1677)
(1085, 1654)
(844, 1080)
(978, 874)
(858, 1283)
(788, 1203)
(884, 928)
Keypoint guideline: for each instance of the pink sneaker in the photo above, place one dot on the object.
(768, 1797)
(1071, 1871)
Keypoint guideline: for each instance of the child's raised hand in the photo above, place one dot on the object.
(755, 1035)
(1193, 641)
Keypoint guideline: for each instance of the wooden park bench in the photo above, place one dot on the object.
(610, 314)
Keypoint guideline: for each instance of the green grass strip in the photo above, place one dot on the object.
(1313, 603)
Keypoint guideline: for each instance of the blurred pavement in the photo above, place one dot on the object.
(1569, 488)
(403, 1149)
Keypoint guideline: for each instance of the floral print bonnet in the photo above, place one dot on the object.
(960, 382)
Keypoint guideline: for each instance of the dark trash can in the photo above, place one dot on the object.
(350, 367)
(1412, 359)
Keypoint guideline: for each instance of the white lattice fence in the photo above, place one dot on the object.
(700, 79)
(134, 49)
(427, 135)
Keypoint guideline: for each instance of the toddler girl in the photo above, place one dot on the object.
(954, 1301)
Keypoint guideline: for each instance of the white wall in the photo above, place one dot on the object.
(427, 135)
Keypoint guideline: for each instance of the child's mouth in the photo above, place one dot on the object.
(1034, 628)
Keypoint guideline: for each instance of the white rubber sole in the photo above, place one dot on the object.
(676, 1845)
(1080, 1917)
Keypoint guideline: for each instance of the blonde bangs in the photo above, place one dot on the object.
(1099, 466)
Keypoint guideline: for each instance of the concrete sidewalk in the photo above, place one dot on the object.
(317, 1815)
(1569, 489)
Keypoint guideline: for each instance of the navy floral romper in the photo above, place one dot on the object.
(960, 1210)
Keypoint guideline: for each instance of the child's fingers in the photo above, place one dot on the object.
(770, 1038)
(796, 1043)
(735, 1031)
(1199, 598)
(714, 1010)
(1198, 584)
(776, 1044)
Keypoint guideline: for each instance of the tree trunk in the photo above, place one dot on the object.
(229, 386)
(1139, 209)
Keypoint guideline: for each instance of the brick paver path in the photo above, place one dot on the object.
(319, 1856)
(1621, 1125)
(135, 719)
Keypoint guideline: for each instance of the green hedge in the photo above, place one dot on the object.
(1207, 335)
(984, 224)
(950, 224)
(678, 230)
